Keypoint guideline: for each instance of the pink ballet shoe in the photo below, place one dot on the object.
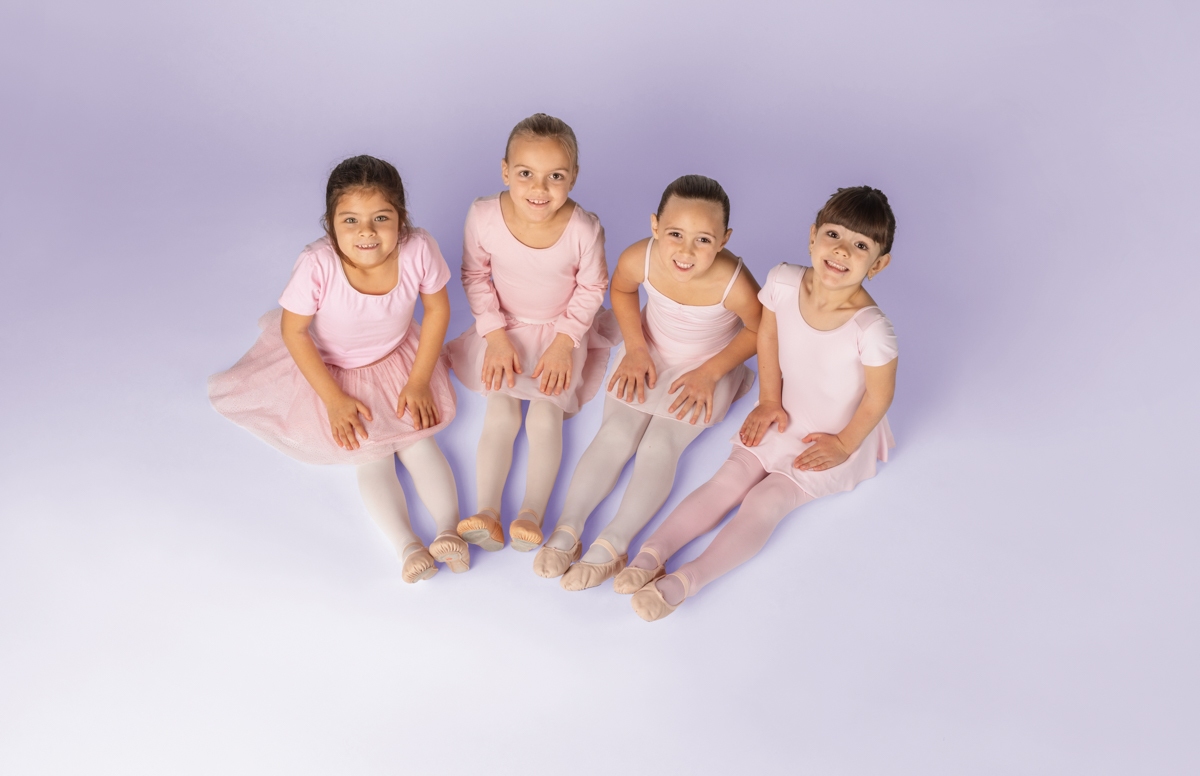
(649, 602)
(632, 579)
(418, 564)
(583, 575)
(551, 562)
(525, 535)
(484, 530)
(448, 548)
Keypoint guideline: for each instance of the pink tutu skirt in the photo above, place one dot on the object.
(734, 385)
(265, 393)
(588, 361)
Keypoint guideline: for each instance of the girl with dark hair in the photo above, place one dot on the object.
(343, 374)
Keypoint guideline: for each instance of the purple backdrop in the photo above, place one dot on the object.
(1016, 592)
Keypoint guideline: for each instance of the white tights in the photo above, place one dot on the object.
(658, 443)
(384, 498)
(543, 427)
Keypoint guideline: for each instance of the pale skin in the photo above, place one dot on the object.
(690, 265)
(536, 208)
(367, 229)
(830, 294)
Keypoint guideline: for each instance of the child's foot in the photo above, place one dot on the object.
(551, 562)
(646, 567)
(526, 534)
(654, 601)
(587, 573)
(448, 548)
(484, 530)
(418, 563)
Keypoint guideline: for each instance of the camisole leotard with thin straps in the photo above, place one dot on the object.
(681, 337)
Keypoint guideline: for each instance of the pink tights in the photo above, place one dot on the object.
(765, 498)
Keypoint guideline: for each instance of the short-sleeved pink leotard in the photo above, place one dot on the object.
(534, 294)
(823, 384)
(681, 337)
(368, 343)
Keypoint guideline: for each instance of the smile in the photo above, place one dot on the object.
(684, 267)
(833, 265)
(538, 202)
(367, 247)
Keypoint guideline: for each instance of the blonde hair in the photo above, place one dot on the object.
(542, 125)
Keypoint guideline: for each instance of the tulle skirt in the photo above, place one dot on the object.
(265, 393)
(530, 340)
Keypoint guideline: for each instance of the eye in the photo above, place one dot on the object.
(350, 220)
(381, 218)
(676, 235)
(558, 176)
(832, 234)
(525, 173)
(704, 239)
(861, 246)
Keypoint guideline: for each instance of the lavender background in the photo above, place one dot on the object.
(1015, 593)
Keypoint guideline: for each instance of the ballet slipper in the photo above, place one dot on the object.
(526, 535)
(551, 562)
(649, 602)
(483, 529)
(448, 548)
(632, 579)
(418, 564)
(583, 575)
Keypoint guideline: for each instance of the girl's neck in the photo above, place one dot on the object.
(826, 300)
(535, 234)
(702, 290)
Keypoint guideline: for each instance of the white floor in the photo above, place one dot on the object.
(1015, 593)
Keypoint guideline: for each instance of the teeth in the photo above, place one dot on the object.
(835, 265)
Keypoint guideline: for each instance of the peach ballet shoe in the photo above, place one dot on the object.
(583, 575)
(632, 579)
(483, 529)
(448, 548)
(418, 564)
(649, 602)
(526, 535)
(551, 562)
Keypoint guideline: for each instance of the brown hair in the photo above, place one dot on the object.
(364, 172)
(696, 187)
(541, 125)
(864, 210)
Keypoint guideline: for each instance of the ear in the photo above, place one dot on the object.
(504, 171)
(725, 240)
(812, 237)
(879, 265)
(574, 178)
(654, 225)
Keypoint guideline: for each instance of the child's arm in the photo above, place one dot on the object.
(829, 450)
(416, 394)
(343, 409)
(591, 280)
(636, 371)
(770, 385)
(696, 387)
(500, 360)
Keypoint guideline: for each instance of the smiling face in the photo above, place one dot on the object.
(690, 234)
(367, 227)
(842, 258)
(539, 174)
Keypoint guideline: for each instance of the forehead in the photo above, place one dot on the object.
(698, 215)
(362, 200)
(538, 153)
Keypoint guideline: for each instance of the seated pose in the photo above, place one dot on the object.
(680, 368)
(343, 374)
(534, 272)
(827, 373)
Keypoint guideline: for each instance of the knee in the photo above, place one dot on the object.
(503, 416)
(544, 419)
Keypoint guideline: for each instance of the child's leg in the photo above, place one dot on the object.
(600, 466)
(384, 499)
(501, 423)
(434, 481)
(653, 477)
(765, 505)
(703, 509)
(543, 427)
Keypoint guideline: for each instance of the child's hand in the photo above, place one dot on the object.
(417, 397)
(555, 366)
(827, 452)
(695, 393)
(634, 375)
(760, 419)
(499, 361)
(344, 421)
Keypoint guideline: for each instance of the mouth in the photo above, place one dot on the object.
(538, 202)
(838, 268)
(367, 246)
(682, 267)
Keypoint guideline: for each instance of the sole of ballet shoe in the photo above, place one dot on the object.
(451, 549)
(524, 535)
(483, 531)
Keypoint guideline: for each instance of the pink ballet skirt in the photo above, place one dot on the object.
(265, 393)
(530, 340)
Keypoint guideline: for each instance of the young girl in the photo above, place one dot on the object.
(677, 373)
(827, 373)
(534, 272)
(342, 374)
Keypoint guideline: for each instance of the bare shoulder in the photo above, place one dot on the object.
(632, 263)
